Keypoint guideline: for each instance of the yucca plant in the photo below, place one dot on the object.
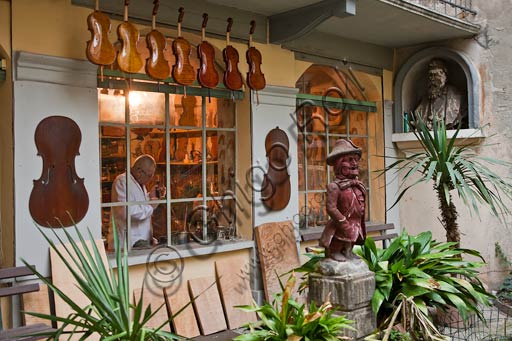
(452, 168)
(432, 273)
(287, 320)
(111, 315)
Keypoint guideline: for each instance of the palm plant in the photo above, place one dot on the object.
(452, 167)
(420, 268)
(110, 314)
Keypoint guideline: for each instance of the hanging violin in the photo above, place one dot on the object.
(232, 76)
(255, 78)
(182, 71)
(128, 59)
(206, 74)
(99, 50)
(157, 66)
(59, 197)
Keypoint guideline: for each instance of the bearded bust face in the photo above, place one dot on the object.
(347, 166)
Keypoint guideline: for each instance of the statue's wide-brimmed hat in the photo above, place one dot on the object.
(342, 147)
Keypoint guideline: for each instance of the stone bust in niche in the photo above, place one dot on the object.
(442, 100)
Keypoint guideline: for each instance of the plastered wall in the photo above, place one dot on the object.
(490, 54)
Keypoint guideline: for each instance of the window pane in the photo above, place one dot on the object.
(303, 211)
(186, 166)
(111, 106)
(301, 161)
(358, 123)
(317, 211)
(113, 158)
(362, 143)
(220, 113)
(316, 165)
(220, 172)
(185, 111)
(222, 217)
(146, 107)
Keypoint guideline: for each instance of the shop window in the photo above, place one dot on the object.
(334, 104)
(192, 139)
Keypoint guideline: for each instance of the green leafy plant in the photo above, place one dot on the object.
(110, 314)
(452, 167)
(286, 319)
(432, 273)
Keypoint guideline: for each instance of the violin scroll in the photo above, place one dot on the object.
(232, 76)
(255, 77)
(206, 74)
(182, 71)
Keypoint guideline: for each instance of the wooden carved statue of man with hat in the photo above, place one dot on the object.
(346, 197)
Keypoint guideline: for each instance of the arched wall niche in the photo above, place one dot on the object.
(411, 79)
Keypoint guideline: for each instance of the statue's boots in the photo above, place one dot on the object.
(338, 250)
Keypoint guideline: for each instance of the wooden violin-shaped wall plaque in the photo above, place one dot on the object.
(157, 66)
(128, 59)
(99, 50)
(276, 187)
(59, 197)
(207, 75)
(232, 76)
(255, 78)
(182, 71)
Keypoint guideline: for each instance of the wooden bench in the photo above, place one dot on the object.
(371, 230)
(20, 332)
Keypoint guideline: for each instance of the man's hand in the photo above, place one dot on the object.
(153, 195)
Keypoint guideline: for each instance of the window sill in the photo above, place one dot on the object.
(408, 141)
(164, 253)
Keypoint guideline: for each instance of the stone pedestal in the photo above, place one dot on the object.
(351, 286)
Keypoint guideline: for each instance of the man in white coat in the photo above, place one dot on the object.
(141, 173)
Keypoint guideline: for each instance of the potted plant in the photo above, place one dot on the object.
(287, 320)
(111, 314)
(452, 168)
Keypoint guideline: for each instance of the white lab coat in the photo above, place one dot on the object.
(140, 213)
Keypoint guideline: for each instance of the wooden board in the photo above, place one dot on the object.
(278, 254)
(156, 299)
(63, 280)
(235, 289)
(207, 306)
(184, 323)
(37, 302)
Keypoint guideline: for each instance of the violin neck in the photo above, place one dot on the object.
(97, 5)
(179, 29)
(153, 22)
(227, 38)
(203, 34)
(250, 40)
(125, 13)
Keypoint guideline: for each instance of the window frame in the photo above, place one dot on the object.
(141, 82)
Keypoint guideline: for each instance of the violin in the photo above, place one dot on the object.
(182, 71)
(99, 50)
(206, 74)
(59, 197)
(232, 76)
(128, 59)
(255, 78)
(157, 66)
